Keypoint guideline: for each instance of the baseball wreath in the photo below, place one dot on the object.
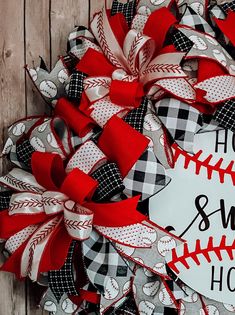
(121, 202)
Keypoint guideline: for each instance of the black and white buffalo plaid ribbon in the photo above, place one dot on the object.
(146, 177)
(196, 21)
(102, 261)
(181, 120)
(73, 40)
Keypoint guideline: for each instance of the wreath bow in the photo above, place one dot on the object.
(130, 65)
(53, 208)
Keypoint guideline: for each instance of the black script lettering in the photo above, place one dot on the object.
(201, 202)
(219, 281)
(230, 216)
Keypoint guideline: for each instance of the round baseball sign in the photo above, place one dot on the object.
(199, 206)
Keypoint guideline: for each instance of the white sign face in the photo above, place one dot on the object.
(199, 204)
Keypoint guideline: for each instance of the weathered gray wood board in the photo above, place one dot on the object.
(29, 29)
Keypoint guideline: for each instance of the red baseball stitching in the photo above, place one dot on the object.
(21, 185)
(88, 84)
(48, 201)
(25, 203)
(163, 68)
(199, 250)
(37, 239)
(81, 225)
(103, 42)
(205, 163)
(145, 51)
(134, 45)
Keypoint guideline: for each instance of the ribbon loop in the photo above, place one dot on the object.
(126, 93)
(53, 202)
(138, 49)
(79, 186)
(96, 87)
(48, 169)
(78, 220)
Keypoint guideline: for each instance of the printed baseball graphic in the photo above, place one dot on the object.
(149, 236)
(62, 75)
(151, 288)
(182, 308)
(199, 206)
(191, 297)
(165, 244)
(50, 306)
(52, 141)
(37, 144)
(157, 2)
(126, 287)
(220, 56)
(199, 43)
(230, 307)
(151, 123)
(18, 129)
(111, 289)
(139, 260)
(146, 308)
(48, 88)
(147, 272)
(164, 297)
(8, 146)
(211, 310)
(43, 126)
(226, 54)
(197, 7)
(211, 40)
(68, 306)
(160, 268)
(33, 73)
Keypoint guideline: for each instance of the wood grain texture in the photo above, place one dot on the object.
(12, 100)
(65, 14)
(37, 43)
(96, 6)
(30, 28)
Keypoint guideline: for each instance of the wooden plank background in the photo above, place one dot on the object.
(29, 29)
